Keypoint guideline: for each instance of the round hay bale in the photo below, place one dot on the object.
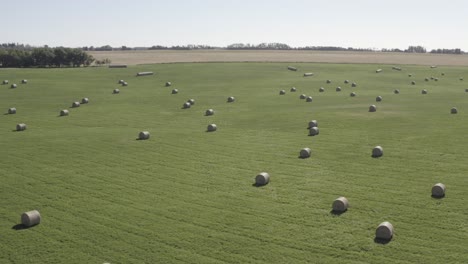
(21, 127)
(186, 105)
(64, 112)
(282, 92)
(231, 99)
(433, 66)
(424, 91)
(438, 190)
(410, 75)
(75, 104)
(5, 81)
(466, 90)
(116, 91)
(321, 90)
(211, 128)
(293, 89)
(12, 110)
(340, 205)
(24, 81)
(303, 96)
(13, 86)
(124, 84)
(309, 99)
(396, 91)
(413, 83)
(443, 74)
(209, 112)
(454, 110)
(353, 84)
(313, 131)
(436, 79)
(120, 81)
(85, 100)
(168, 84)
(353, 94)
(372, 108)
(432, 77)
(312, 123)
(426, 79)
(175, 91)
(378, 99)
(30, 218)
(377, 152)
(262, 178)
(328, 81)
(384, 231)
(346, 81)
(378, 71)
(461, 78)
(143, 135)
(191, 101)
(338, 89)
(304, 153)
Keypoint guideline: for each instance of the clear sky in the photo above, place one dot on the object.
(345, 23)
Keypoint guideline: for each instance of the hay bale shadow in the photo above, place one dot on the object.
(376, 156)
(258, 185)
(337, 213)
(438, 197)
(20, 227)
(382, 241)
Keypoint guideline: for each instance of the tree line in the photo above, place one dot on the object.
(44, 57)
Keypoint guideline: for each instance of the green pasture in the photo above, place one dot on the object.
(187, 195)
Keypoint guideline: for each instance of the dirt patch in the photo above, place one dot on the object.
(170, 56)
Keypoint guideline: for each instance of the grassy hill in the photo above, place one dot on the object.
(186, 195)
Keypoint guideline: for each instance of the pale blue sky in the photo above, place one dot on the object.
(346, 23)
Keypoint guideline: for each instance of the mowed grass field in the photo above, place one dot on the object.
(187, 195)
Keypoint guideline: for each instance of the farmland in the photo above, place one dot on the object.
(186, 195)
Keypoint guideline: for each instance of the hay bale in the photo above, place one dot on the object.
(143, 135)
(75, 104)
(117, 66)
(231, 99)
(443, 74)
(293, 89)
(175, 91)
(116, 91)
(313, 131)
(413, 83)
(5, 81)
(378, 71)
(211, 128)
(353, 94)
(321, 89)
(396, 91)
(303, 96)
(312, 123)
(209, 112)
(13, 86)
(377, 152)
(191, 101)
(436, 79)
(426, 79)
(384, 231)
(353, 84)
(466, 90)
(433, 66)
(124, 84)
(328, 81)
(308, 74)
(372, 108)
(120, 81)
(309, 99)
(85, 100)
(396, 68)
(144, 73)
(378, 99)
(186, 105)
(21, 127)
(338, 89)
(262, 178)
(168, 84)
(410, 75)
(304, 153)
(30, 218)
(64, 112)
(424, 91)
(12, 110)
(438, 190)
(340, 205)
(282, 92)
(346, 81)
(461, 78)
(432, 77)
(291, 68)
(454, 110)
(24, 81)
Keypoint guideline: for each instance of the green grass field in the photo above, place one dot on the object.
(186, 195)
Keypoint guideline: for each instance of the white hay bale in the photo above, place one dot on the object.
(64, 112)
(438, 190)
(293, 89)
(313, 131)
(186, 105)
(432, 77)
(143, 135)
(5, 81)
(309, 99)
(424, 91)
(262, 178)
(378, 99)
(303, 96)
(340, 205)
(377, 152)
(353, 84)
(353, 94)
(145, 73)
(14, 85)
(121, 81)
(396, 91)
(346, 81)
(328, 81)
(433, 66)
(338, 89)
(191, 101)
(372, 108)
(396, 68)
(21, 127)
(211, 128)
(12, 110)
(125, 84)
(384, 231)
(168, 84)
(117, 66)
(291, 68)
(282, 92)
(175, 91)
(30, 218)
(461, 78)
(24, 81)
(231, 99)
(75, 104)
(413, 83)
(116, 91)
(378, 71)
(209, 112)
(321, 89)
(85, 100)
(305, 153)
(454, 110)
(308, 74)
(312, 123)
